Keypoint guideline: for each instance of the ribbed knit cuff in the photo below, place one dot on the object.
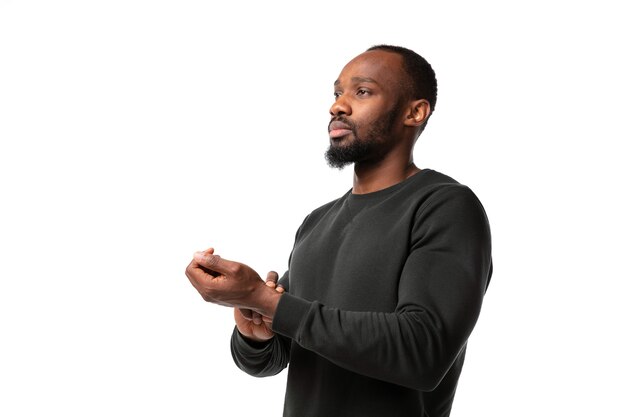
(290, 313)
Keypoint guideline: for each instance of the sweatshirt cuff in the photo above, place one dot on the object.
(248, 346)
(290, 313)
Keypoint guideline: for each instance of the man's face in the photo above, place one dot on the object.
(368, 110)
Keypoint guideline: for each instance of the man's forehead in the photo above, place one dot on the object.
(372, 66)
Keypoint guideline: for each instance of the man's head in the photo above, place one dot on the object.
(423, 82)
(383, 99)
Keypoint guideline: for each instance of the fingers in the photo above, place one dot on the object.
(246, 313)
(257, 318)
(209, 260)
(193, 274)
(253, 316)
(271, 281)
(272, 278)
(194, 263)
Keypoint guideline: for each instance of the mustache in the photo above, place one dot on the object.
(344, 120)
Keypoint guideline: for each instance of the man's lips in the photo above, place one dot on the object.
(338, 129)
(337, 133)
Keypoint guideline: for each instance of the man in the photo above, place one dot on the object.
(384, 284)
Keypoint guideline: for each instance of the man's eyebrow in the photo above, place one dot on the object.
(363, 80)
(360, 80)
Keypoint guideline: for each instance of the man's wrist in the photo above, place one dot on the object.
(268, 301)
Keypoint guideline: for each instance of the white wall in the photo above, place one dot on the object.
(133, 133)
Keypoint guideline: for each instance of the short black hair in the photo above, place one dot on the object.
(423, 80)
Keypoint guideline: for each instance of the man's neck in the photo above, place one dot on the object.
(369, 178)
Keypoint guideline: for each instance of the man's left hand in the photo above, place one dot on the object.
(230, 283)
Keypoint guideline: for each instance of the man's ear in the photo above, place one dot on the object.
(418, 114)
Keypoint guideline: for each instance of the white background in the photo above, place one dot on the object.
(134, 133)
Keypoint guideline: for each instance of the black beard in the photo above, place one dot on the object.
(339, 156)
(371, 147)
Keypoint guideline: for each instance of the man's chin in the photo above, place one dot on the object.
(336, 158)
(347, 151)
(337, 164)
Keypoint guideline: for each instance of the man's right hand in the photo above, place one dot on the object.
(253, 325)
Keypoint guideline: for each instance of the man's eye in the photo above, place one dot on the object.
(362, 92)
(336, 94)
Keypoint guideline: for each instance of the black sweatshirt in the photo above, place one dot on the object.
(384, 290)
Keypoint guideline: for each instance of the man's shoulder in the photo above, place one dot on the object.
(314, 216)
(324, 208)
(435, 184)
(443, 197)
(430, 179)
(424, 187)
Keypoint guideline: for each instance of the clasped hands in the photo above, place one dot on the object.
(234, 284)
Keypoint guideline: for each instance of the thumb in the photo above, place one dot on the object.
(214, 262)
(272, 278)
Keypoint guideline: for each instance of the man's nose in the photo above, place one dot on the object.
(340, 106)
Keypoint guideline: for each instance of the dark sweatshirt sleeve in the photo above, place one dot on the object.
(440, 294)
(260, 358)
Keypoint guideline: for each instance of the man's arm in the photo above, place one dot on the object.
(260, 359)
(257, 357)
(251, 324)
(439, 298)
(440, 294)
(255, 348)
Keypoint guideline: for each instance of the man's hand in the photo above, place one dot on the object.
(253, 325)
(231, 284)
